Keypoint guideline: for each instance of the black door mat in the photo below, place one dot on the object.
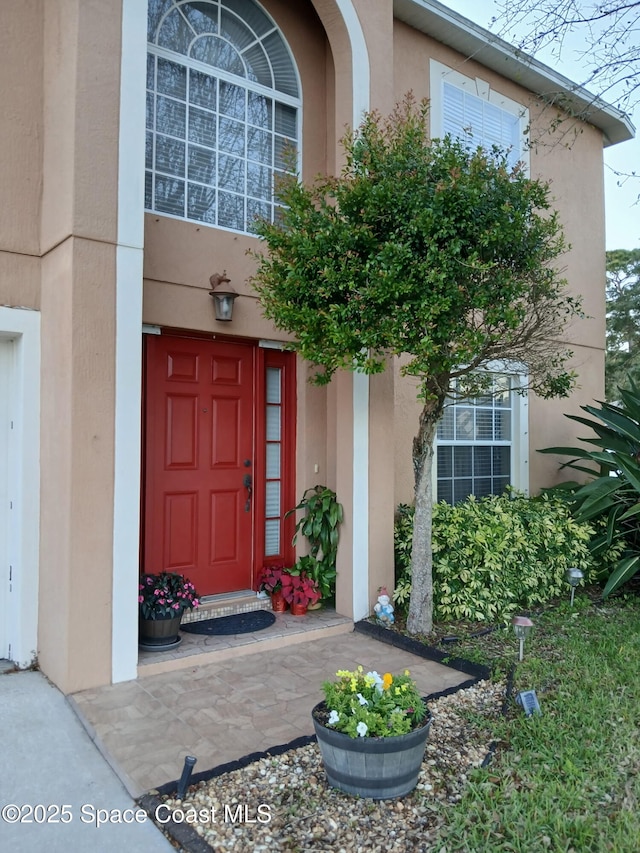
(237, 623)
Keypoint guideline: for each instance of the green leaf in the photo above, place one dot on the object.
(625, 570)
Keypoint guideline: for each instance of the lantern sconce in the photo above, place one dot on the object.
(522, 626)
(223, 296)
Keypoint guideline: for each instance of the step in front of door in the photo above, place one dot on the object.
(227, 605)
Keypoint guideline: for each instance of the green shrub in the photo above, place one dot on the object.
(496, 555)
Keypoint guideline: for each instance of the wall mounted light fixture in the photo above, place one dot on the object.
(223, 296)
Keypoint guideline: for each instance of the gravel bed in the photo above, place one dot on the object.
(284, 804)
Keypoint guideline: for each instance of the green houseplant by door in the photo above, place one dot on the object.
(320, 525)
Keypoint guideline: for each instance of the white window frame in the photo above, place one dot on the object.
(439, 74)
(519, 457)
(250, 86)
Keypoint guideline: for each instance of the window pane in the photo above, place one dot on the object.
(202, 89)
(259, 110)
(464, 424)
(273, 384)
(231, 173)
(462, 489)
(170, 155)
(231, 136)
(259, 145)
(445, 427)
(258, 66)
(273, 423)
(501, 460)
(272, 503)
(203, 17)
(503, 425)
(217, 53)
(484, 424)
(462, 461)
(202, 165)
(286, 121)
(151, 68)
(445, 491)
(285, 153)
(271, 538)
(202, 204)
(175, 33)
(482, 486)
(232, 101)
(445, 461)
(172, 117)
(273, 461)
(259, 181)
(148, 151)
(172, 79)
(202, 127)
(148, 191)
(231, 211)
(150, 109)
(482, 462)
(169, 196)
(257, 210)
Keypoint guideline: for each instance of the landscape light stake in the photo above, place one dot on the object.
(573, 576)
(522, 626)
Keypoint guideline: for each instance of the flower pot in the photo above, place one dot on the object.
(298, 609)
(381, 768)
(159, 632)
(278, 604)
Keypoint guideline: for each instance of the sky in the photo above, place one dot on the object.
(622, 206)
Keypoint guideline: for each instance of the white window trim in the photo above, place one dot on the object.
(244, 82)
(439, 73)
(519, 438)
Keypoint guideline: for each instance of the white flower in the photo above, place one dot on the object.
(361, 699)
(374, 675)
(362, 729)
(334, 716)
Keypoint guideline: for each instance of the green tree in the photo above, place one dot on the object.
(623, 321)
(424, 249)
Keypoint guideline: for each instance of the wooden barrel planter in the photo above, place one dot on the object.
(159, 634)
(382, 768)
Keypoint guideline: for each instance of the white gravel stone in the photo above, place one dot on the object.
(284, 803)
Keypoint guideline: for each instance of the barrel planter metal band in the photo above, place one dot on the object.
(381, 768)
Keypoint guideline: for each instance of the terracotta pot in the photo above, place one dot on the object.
(278, 604)
(298, 609)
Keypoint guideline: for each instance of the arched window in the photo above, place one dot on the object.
(223, 108)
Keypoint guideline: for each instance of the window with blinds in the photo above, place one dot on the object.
(222, 111)
(474, 445)
(480, 123)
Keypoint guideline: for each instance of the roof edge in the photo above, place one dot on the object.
(475, 42)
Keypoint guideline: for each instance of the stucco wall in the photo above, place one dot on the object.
(572, 162)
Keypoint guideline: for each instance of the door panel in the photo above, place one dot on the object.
(199, 450)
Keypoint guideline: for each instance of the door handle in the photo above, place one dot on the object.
(247, 482)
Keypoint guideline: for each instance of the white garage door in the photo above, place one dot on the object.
(6, 352)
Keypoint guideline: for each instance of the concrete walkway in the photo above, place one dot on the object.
(223, 711)
(52, 772)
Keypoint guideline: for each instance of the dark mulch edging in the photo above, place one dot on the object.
(189, 839)
(408, 644)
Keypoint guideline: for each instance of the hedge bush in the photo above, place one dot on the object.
(495, 556)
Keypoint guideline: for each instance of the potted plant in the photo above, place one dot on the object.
(271, 581)
(372, 731)
(320, 526)
(162, 599)
(298, 589)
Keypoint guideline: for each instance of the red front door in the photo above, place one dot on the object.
(199, 462)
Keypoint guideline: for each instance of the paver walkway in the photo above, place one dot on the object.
(224, 710)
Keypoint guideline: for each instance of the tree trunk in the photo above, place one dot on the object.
(420, 617)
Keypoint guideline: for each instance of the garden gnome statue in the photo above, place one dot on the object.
(384, 609)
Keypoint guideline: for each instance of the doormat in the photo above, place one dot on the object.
(237, 623)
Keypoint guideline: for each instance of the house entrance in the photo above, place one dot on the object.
(212, 509)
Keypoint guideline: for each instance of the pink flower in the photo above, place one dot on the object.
(140, 599)
(176, 607)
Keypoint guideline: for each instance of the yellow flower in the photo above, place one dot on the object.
(354, 685)
(404, 688)
(397, 691)
(369, 680)
(343, 673)
(387, 680)
(406, 672)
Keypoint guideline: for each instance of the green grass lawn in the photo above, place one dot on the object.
(569, 779)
